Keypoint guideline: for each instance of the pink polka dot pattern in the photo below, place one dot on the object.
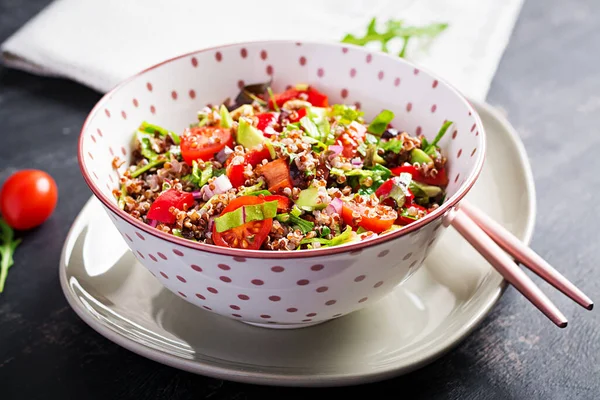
(330, 302)
(174, 95)
(433, 108)
(225, 279)
(107, 112)
(135, 103)
(320, 72)
(181, 278)
(456, 179)
(263, 54)
(93, 138)
(473, 127)
(352, 72)
(237, 315)
(218, 56)
(234, 307)
(359, 278)
(344, 93)
(344, 50)
(302, 61)
(243, 52)
(459, 153)
(369, 58)
(243, 297)
(363, 299)
(182, 294)
(141, 255)
(311, 314)
(153, 109)
(408, 107)
(277, 269)
(397, 82)
(265, 316)
(140, 236)
(407, 256)
(194, 62)
(149, 86)
(454, 134)
(383, 253)
(302, 282)
(416, 71)
(90, 155)
(378, 284)
(152, 257)
(317, 267)
(269, 70)
(473, 152)
(178, 252)
(198, 295)
(274, 298)
(207, 308)
(212, 290)
(322, 289)
(161, 255)
(419, 130)
(380, 75)
(164, 275)
(257, 282)
(196, 268)
(129, 238)
(239, 259)
(111, 151)
(434, 84)
(292, 310)
(224, 267)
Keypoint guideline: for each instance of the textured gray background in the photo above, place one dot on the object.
(548, 83)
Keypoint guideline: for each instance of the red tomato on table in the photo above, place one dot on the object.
(202, 143)
(249, 236)
(28, 198)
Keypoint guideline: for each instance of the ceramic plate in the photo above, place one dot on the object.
(418, 322)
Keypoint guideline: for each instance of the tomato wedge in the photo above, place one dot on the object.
(402, 220)
(298, 115)
(441, 179)
(159, 210)
(283, 203)
(204, 142)
(235, 169)
(265, 123)
(351, 139)
(314, 97)
(376, 219)
(249, 236)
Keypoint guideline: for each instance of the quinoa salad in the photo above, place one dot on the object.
(282, 171)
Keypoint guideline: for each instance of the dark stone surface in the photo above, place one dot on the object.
(548, 83)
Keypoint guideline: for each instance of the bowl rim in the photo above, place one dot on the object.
(273, 254)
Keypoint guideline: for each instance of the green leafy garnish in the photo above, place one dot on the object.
(245, 214)
(430, 148)
(346, 114)
(395, 29)
(153, 129)
(7, 250)
(146, 147)
(381, 122)
(342, 238)
(199, 177)
(218, 172)
(394, 145)
(153, 164)
(226, 120)
(319, 116)
(272, 97)
(302, 224)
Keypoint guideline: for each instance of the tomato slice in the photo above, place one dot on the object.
(314, 97)
(402, 220)
(351, 139)
(298, 115)
(235, 170)
(283, 203)
(249, 236)
(159, 210)
(441, 179)
(265, 123)
(376, 219)
(204, 142)
(277, 175)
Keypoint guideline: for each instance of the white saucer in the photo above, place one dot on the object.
(415, 324)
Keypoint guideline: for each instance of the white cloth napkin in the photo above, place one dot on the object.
(101, 42)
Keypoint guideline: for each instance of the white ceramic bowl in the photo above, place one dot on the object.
(281, 289)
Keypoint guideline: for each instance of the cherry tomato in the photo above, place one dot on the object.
(28, 198)
(159, 210)
(265, 123)
(376, 219)
(441, 179)
(351, 139)
(235, 169)
(283, 203)
(249, 236)
(298, 115)
(313, 96)
(277, 175)
(204, 142)
(406, 220)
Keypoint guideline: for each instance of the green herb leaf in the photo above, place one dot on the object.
(430, 148)
(251, 190)
(153, 164)
(302, 224)
(218, 172)
(8, 246)
(272, 98)
(380, 123)
(146, 148)
(153, 129)
(394, 145)
(346, 114)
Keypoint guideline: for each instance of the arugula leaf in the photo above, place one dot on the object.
(346, 113)
(394, 145)
(430, 148)
(395, 29)
(7, 249)
(380, 123)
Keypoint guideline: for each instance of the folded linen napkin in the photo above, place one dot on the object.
(101, 42)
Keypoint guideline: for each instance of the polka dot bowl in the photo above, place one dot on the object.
(266, 288)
